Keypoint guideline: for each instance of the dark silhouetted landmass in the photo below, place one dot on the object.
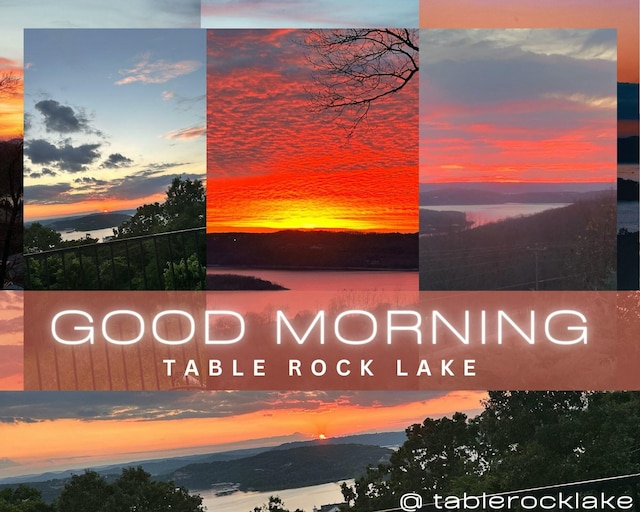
(628, 260)
(237, 282)
(285, 469)
(463, 195)
(89, 222)
(314, 250)
(628, 148)
(627, 190)
(569, 248)
(432, 221)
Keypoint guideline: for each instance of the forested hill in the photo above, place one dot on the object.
(284, 469)
(89, 222)
(314, 249)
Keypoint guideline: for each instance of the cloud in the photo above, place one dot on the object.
(116, 161)
(90, 181)
(186, 133)
(7, 463)
(167, 95)
(61, 118)
(156, 72)
(11, 325)
(45, 171)
(142, 184)
(67, 158)
(31, 406)
(45, 194)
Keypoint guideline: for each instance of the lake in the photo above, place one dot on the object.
(96, 233)
(628, 215)
(485, 213)
(330, 280)
(304, 498)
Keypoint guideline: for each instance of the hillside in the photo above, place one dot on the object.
(570, 248)
(284, 469)
(313, 249)
(89, 222)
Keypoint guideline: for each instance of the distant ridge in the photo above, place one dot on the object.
(89, 222)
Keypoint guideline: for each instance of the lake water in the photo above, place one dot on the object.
(330, 280)
(485, 213)
(628, 215)
(304, 498)
(96, 233)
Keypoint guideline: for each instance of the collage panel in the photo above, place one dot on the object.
(312, 159)
(114, 159)
(518, 159)
(358, 451)
(621, 15)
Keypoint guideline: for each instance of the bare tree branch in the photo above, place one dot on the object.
(9, 83)
(355, 68)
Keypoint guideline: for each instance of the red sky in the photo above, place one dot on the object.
(518, 105)
(11, 102)
(274, 164)
(11, 353)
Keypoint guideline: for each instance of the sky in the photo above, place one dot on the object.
(20, 14)
(518, 105)
(275, 164)
(11, 340)
(305, 14)
(66, 430)
(619, 14)
(622, 15)
(109, 133)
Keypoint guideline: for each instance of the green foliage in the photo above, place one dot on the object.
(23, 499)
(133, 490)
(40, 238)
(185, 275)
(521, 440)
(139, 264)
(275, 505)
(184, 208)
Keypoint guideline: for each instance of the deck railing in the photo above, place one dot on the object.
(164, 261)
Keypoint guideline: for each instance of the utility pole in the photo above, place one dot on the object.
(535, 251)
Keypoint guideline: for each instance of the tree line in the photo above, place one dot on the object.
(132, 490)
(175, 261)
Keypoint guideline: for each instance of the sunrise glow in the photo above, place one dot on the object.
(274, 164)
(66, 442)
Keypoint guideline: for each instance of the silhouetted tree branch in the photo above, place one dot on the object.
(358, 67)
(8, 83)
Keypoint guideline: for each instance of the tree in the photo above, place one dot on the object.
(132, 490)
(356, 68)
(22, 499)
(522, 439)
(88, 491)
(184, 208)
(9, 82)
(186, 204)
(11, 199)
(40, 238)
(275, 505)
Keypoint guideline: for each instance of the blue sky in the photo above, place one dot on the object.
(309, 14)
(111, 115)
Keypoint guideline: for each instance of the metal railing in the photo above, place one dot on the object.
(163, 261)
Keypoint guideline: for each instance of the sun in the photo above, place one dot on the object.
(321, 436)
